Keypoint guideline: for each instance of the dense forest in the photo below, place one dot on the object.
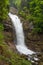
(30, 11)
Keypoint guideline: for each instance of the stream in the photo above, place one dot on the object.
(21, 46)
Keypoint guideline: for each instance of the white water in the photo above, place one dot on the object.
(21, 47)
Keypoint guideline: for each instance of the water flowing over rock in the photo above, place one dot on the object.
(21, 47)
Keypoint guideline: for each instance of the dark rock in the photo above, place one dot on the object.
(13, 10)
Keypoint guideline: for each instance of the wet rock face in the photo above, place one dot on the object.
(9, 33)
(9, 30)
(33, 41)
(13, 10)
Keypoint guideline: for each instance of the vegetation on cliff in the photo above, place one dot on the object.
(4, 9)
(32, 11)
(7, 55)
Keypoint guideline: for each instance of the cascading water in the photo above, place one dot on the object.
(21, 47)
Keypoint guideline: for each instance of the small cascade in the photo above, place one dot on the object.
(20, 46)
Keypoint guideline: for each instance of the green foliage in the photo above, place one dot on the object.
(32, 10)
(1, 27)
(1, 33)
(22, 13)
(10, 57)
(17, 3)
(3, 9)
(36, 8)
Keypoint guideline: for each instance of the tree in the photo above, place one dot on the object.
(4, 8)
(36, 8)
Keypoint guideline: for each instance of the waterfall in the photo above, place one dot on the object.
(20, 46)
